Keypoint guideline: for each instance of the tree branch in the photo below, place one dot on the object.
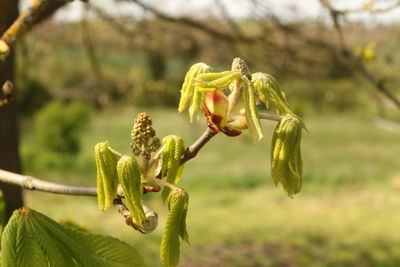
(357, 62)
(194, 24)
(32, 183)
(192, 150)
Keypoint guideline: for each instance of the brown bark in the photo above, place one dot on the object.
(9, 154)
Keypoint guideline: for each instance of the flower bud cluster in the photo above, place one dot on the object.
(239, 65)
(144, 140)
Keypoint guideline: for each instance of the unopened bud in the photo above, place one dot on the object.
(8, 88)
(4, 50)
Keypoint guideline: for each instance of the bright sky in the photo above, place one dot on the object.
(289, 9)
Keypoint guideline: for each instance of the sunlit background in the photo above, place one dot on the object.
(84, 74)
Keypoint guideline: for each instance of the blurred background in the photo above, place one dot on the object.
(85, 71)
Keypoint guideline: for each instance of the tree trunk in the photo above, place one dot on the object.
(9, 154)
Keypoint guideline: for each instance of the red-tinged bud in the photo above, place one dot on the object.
(218, 105)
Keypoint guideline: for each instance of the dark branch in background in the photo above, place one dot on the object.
(89, 47)
(200, 26)
(117, 26)
(356, 61)
(234, 26)
(38, 12)
(366, 8)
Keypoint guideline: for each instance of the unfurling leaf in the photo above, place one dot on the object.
(251, 112)
(286, 163)
(32, 239)
(107, 179)
(175, 227)
(269, 92)
(173, 150)
(188, 89)
(130, 179)
(217, 80)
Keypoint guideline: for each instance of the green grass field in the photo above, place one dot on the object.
(346, 215)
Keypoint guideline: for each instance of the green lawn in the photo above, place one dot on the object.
(346, 215)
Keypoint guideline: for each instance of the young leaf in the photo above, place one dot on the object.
(32, 239)
(188, 87)
(175, 227)
(107, 180)
(196, 104)
(217, 80)
(251, 112)
(174, 148)
(130, 179)
(286, 163)
(269, 92)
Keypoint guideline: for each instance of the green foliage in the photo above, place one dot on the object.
(175, 228)
(173, 149)
(251, 111)
(189, 90)
(269, 92)
(130, 179)
(286, 163)
(59, 125)
(107, 177)
(243, 113)
(217, 80)
(32, 239)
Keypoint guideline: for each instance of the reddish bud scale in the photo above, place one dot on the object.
(213, 122)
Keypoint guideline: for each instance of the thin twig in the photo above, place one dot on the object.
(192, 150)
(357, 62)
(32, 183)
(200, 26)
(271, 117)
(115, 152)
(162, 182)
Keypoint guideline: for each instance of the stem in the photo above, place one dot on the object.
(162, 182)
(32, 183)
(270, 117)
(192, 150)
(115, 152)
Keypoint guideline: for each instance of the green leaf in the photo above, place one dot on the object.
(286, 163)
(175, 227)
(269, 92)
(174, 148)
(107, 179)
(130, 179)
(188, 87)
(251, 112)
(217, 80)
(32, 239)
(196, 104)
